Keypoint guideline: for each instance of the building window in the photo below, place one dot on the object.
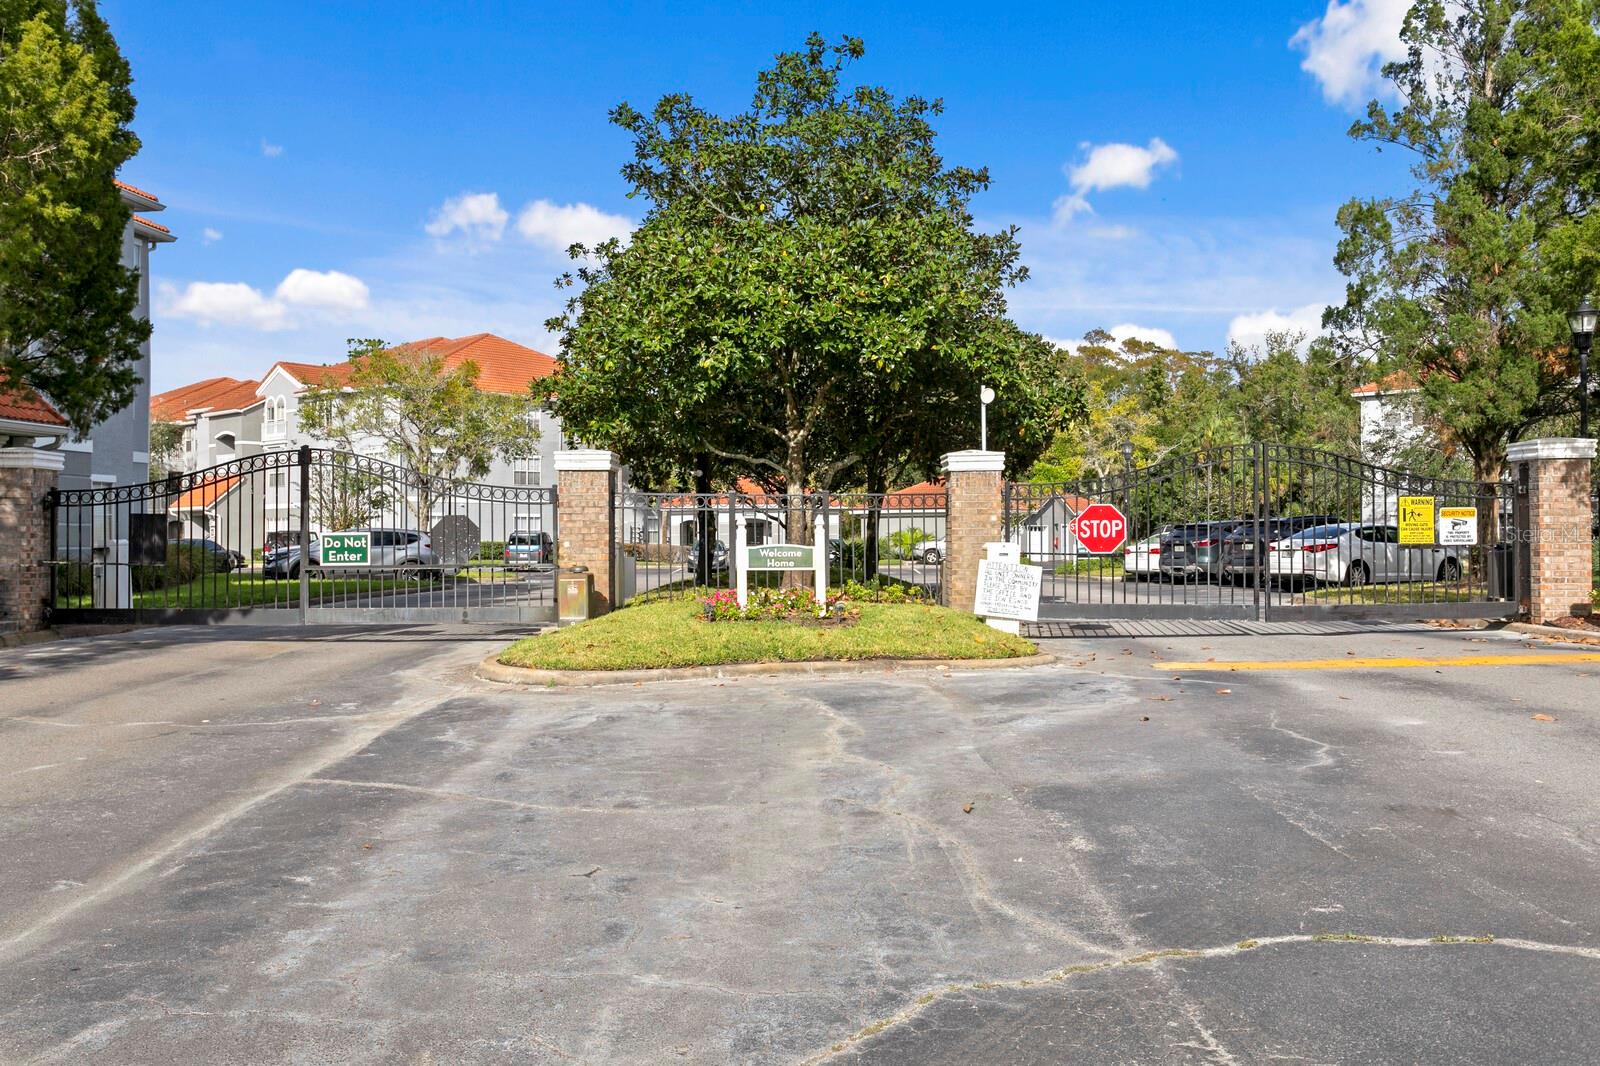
(274, 416)
(525, 471)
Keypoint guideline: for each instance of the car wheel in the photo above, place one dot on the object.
(294, 572)
(1356, 575)
(932, 558)
(1450, 570)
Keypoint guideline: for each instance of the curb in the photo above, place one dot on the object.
(491, 669)
(1572, 636)
(46, 636)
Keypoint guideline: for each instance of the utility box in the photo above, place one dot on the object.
(574, 594)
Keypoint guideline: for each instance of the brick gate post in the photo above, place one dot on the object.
(586, 484)
(1555, 542)
(974, 502)
(26, 477)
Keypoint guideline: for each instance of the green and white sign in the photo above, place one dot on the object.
(780, 557)
(347, 549)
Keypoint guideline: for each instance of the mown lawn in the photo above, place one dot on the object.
(674, 633)
(246, 590)
(1398, 592)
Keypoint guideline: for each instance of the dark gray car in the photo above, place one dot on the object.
(1241, 547)
(1193, 551)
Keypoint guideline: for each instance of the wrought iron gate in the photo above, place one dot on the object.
(243, 541)
(1268, 532)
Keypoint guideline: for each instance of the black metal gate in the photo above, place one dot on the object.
(1272, 532)
(257, 540)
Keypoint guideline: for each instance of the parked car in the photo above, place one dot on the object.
(529, 550)
(1350, 554)
(223, 559)
(1194, 550)
(391, 549)
(929, 552)
(1243, 546)
(719, 557)
(1141, 560)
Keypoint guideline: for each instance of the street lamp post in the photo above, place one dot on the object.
(985, 398)
(1582, 321)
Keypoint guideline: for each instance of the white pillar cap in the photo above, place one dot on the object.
(973, 459)
(31, 459)
(1551, 448)
(587, 459)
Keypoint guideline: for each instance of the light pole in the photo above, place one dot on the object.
(1582, 322)
(985, 398)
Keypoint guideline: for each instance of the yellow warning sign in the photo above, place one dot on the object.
(1416, 520)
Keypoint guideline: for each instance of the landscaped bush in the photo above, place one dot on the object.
(185, 562)
(794, 604)
(655, 553)
(74, 579)
(885, 590)
(491, 551)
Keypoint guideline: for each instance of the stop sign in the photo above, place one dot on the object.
(1100, 528)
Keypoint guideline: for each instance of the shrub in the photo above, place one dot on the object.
(885, 590)
(493, 551)
(185, 562)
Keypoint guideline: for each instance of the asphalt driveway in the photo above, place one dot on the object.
(233, 846)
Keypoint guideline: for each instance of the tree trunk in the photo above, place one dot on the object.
(877, 485)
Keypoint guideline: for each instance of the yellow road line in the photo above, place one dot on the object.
(1353, 662)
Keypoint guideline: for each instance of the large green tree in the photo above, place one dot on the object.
(1461, 284)
(68, 325)
(808, 270)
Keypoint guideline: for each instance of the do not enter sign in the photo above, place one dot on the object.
(1100, 528)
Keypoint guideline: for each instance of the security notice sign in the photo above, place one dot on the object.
(1008, 590)
(347, 549)
(1416, 520)
(1458, 525)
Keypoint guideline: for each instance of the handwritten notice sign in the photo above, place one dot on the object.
(1416, 520)
(347, 549)
(1458, 525)
(1008, 590)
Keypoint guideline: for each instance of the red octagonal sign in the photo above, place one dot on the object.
(1100, 528)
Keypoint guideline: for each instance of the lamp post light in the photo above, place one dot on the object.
(985, 398)
(1582, 321)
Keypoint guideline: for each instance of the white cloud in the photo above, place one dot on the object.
(225, 303)
(1347, 47)
(1252, 329)
(1128, 330)
(330, 290)
(210, 235)
(559, 226)
(271, 151)
(234, 303)
(1112, 166)
(477, 215)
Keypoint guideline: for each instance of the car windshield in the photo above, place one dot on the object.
(1321, 533)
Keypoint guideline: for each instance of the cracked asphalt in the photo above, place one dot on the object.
(240, 846)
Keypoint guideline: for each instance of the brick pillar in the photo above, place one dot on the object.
(26, 476)
(586, 481)
(1556, 543)
(973, 516)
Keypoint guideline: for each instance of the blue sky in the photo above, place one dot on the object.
(402, 170)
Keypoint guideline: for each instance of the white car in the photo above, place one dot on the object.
(1142, 561)
(929, 552)
(1349, 554)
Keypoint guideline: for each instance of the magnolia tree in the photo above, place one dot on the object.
(807, 300)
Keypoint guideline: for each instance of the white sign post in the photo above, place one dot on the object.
(820, 538)
(741, 565)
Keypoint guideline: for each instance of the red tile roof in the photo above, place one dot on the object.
(125, 187)
(1399, 381)
(153, 225)
(503, 366)
(202, 497)
(25, 405)
(221, 394)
